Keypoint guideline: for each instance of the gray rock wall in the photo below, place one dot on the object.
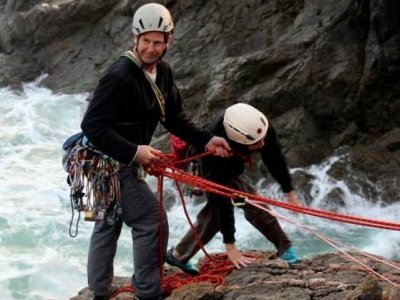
(325, 72)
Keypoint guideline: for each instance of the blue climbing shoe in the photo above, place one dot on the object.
(188, 268)
(290, 256)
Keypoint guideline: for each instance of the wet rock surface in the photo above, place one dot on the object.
(328, 276)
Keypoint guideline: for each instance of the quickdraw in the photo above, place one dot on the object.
(95, 188)
(194, 169)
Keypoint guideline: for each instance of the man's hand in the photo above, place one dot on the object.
(219, 146)
(146, 154)
(293, 199)
(236, 257)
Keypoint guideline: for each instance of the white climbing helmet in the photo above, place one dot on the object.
(152, 17)
(244, 124)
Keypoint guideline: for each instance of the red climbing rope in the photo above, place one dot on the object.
(167, 168)
(213, 270)
(192, 227)
(335, 244)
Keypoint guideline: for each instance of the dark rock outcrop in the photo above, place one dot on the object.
(326, 73)
(328, 276)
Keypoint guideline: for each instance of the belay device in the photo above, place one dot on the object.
(94, 182)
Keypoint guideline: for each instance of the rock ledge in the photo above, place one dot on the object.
(327, 276)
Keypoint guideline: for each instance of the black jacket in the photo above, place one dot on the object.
(124, 111)
(226, 171)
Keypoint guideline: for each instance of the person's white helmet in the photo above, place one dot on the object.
(152, 17)
(245, 124)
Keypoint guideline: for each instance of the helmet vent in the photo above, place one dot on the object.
(160, 22)
(247, 136)
(141, 23)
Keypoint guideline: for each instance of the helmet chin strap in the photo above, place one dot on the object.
(167, 39)
(135, 45)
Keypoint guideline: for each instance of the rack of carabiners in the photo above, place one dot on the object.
(95, 188)
(166, 166)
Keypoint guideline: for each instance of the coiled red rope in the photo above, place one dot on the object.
(213, 270)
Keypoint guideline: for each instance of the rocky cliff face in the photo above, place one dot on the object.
(325, 72)
(328, 277)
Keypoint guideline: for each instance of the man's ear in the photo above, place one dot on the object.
(135, 39)
(169, 39)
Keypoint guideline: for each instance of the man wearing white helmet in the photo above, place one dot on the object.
(247, 131)
(133, 96)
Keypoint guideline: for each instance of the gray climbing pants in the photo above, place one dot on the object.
(207, 224)
(141, 212)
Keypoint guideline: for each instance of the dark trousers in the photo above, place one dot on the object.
(207, 224)
(141, 212)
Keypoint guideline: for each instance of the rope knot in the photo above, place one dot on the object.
(154, 169)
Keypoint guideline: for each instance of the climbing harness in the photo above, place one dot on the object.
(94, 183)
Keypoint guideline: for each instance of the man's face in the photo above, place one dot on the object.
(151, 46)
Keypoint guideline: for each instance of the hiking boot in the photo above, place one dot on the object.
(188, 268)
(290, 256)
